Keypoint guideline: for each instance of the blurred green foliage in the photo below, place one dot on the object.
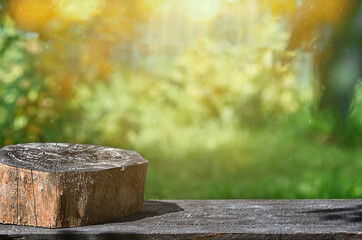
(225, 82)
(29, 109)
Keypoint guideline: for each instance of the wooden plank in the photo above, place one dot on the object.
(66, 185)
(220, 219)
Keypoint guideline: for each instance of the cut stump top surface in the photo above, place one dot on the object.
(66, 157)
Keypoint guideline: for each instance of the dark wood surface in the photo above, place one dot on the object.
(219, 219)
(65, 157)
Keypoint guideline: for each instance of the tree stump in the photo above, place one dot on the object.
(67, 185)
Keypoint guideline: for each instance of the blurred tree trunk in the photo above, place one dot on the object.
(336, 41)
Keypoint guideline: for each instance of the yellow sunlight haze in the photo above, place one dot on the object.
(283, 7)
(30, 15)
(79, 10)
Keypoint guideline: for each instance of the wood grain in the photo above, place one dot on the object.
(66, 185)
(220, 219)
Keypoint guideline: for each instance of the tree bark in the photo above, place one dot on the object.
(67, 185)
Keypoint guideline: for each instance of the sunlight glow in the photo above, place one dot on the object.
(202, 10)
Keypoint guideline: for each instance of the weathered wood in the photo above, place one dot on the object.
(66, 185)
(220, 219)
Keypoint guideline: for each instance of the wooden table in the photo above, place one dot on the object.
(219, 219)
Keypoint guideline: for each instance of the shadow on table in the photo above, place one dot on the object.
(149, 209)
(347, 214)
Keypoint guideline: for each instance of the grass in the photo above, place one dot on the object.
(279, 161)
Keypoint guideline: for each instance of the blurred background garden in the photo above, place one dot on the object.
(225, 98)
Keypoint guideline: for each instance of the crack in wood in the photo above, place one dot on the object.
(17, 196)
(32, 183)
(70, 157)
(56, 193)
